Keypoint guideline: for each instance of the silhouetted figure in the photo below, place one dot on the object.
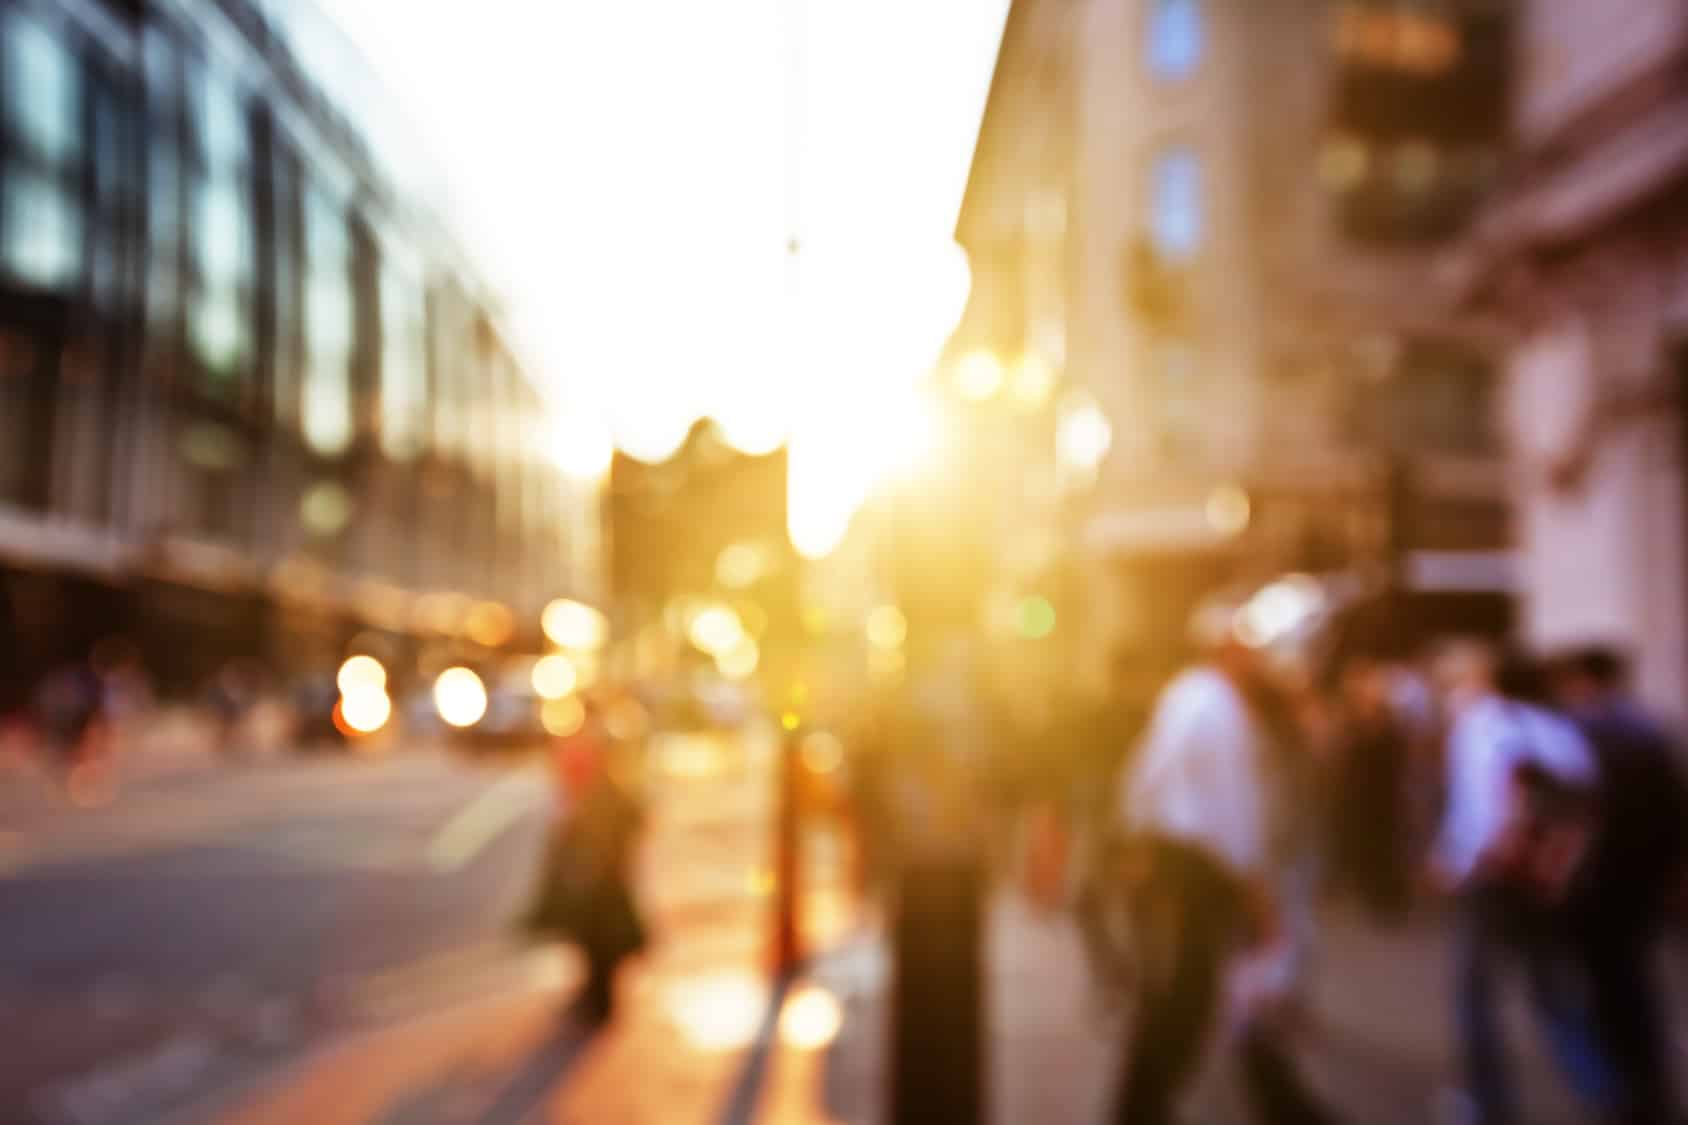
(1636, 866)
(585, 893)
(1369, 794)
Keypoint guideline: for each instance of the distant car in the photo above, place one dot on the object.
(313, 701)
(514, 720)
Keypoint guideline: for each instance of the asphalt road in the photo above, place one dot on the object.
(199, 928)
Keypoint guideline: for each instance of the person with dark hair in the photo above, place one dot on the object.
(1208, 803)
(1636, 864)
(1369, 796)
(1507, 854)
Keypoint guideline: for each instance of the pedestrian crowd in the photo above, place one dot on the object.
(1533, 802)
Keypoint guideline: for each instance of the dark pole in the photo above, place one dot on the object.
(788, 874)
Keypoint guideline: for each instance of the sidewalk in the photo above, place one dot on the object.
(720, 1047)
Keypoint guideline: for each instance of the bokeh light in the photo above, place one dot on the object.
(822, 752)
(811, 1019)
(490, 624)
(365, 709)
(574, 625)
(716, 630)
(1033, 381)
(326, 508)
(887, 628)
(1036, 618)
(554, 676)
(1228, 510)
(740, 661)
(740, 565)
(563, 717)
(1083, 435)
(460, 697)
(979, 376)
(719, 1011)
(361, 671)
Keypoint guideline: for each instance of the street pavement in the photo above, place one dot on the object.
(328, 940)
(193, 927)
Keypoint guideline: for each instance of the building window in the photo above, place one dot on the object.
(404, 361)
(220, 318)
(1175, 200)
(327, 399)
(1175, 37)
(453, 354)
(42, 240)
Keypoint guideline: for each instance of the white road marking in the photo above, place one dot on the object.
(496, 809)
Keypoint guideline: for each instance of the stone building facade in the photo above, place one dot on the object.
(1584, 254)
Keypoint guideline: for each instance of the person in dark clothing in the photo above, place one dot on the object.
(1369, 794)
(585, 890)
(1637, 863)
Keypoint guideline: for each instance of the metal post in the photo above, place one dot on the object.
(788, 894)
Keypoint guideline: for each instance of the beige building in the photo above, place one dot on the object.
(1256, 300)
(1586, 255)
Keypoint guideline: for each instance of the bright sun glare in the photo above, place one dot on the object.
(633, 173)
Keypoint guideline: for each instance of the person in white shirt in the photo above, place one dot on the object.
(1498, 735)
(1200, 807)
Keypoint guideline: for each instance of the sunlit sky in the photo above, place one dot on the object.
(624, 172)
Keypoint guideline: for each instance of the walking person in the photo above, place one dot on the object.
(1203, 803)
(1510, 847)
(585, 892)
(1370, 791)
(1637, 864)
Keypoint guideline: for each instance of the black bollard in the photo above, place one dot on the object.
(937, 1032)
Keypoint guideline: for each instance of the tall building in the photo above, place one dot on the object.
(1255, 297)
(1584, 254)
(253, 398)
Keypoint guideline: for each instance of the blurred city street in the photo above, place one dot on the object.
(332, 940)
(211, 920)
(956, 562)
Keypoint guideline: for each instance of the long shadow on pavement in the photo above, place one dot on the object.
(461, 1096)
